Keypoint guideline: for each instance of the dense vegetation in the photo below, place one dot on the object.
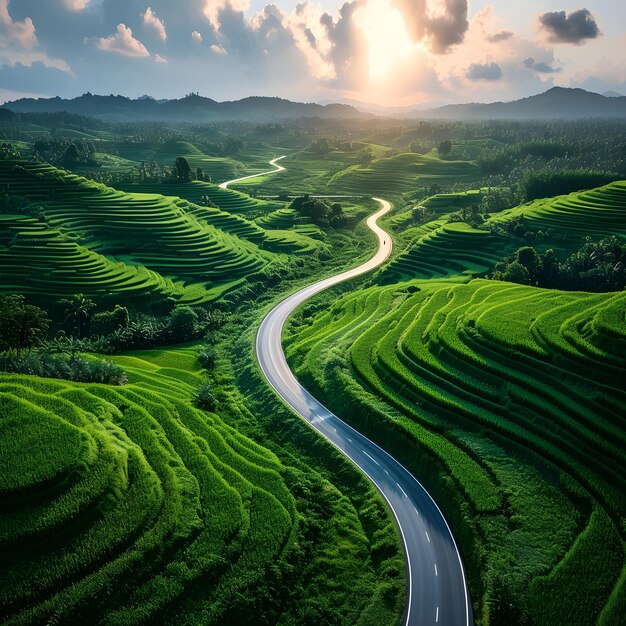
(506, 399)
(170, 485)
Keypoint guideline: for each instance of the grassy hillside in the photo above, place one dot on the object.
(491, 385)
(206, 248)
(401, 173)
(133, 506)
(507, 400)
(596, 213)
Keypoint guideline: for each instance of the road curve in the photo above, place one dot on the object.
(437, 592)
(277, 168)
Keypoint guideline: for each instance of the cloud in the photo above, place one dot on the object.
(218, 49)
(484, 71)
(159, 59)
(442, 25)
(76, 5)
(213, 9)
(21, 33)
(36, 77)
(540, 66)
(574, 27)
(503, 35)
(348, 46)
(150, 19)
(123, 43)
(196, 36)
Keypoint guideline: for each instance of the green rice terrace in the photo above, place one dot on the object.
(508, 400)
(134, 506)
(131, 244)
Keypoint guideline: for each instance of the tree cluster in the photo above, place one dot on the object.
(65, 152)
(598, 266)
(318, 211)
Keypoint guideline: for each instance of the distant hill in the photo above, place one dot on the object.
(193, 108)
(558, 102)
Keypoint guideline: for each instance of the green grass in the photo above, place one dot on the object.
(133, 506)
(94, 238)
(159, 495)
(454, 250)
(493, 382)
(596, 213)
(399, 174)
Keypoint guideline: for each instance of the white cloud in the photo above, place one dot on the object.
(123, 43)
(218, 49)
(159, 59)
(21, 33)
(150, 19)
(76, 5)
(196, 36)
(212, 9)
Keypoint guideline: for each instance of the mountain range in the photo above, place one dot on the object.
(558, 102)
(191, 108)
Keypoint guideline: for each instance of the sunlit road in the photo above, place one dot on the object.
(277, 168)
(436, 592)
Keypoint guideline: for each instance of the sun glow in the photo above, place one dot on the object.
(388, 40)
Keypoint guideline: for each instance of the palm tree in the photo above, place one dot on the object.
(77, 310)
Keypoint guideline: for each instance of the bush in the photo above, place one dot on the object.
(207, 357)
(73, 368)
(204, 398)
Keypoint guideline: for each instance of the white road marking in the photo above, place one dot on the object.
(402, 490)
(437, 615)
(416, 511)
(348, 438)
(370, 457)
(436, 574)
(427, 537)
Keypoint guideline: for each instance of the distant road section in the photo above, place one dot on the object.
(277, 168)
(436, 588)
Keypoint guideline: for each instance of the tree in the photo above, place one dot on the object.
(183, 171)
(21, 325)
(183, 323)
(530, 259)
(444, 148)
(78, 310)
(199, 174)
(514, 272)
(108, 322)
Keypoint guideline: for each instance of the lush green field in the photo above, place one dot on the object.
(83, 236)
(594, 213)
(132, 506)
(508, 400)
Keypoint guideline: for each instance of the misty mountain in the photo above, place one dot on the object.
(192, 108)
(558, 102)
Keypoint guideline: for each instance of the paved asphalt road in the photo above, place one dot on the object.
(277, 168)
(437, 592)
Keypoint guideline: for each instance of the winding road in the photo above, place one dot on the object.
(277, 168)
(437, 592)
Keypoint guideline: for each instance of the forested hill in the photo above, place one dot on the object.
(192, 107)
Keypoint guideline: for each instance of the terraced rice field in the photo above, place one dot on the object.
(596, 213)
(131, 505)
(508, 399)
(166, 153)
(166, 235)
(35, 259)
(455, 250)
(226, 199)
(401, 173)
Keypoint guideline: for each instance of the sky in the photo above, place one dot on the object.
(388, 52)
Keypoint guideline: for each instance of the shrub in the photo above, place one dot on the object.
(204, 398)
(207, 357)
(74, 368)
